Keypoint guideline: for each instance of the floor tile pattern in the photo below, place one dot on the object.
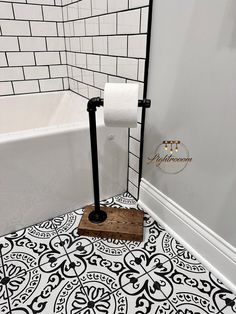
(48, 268)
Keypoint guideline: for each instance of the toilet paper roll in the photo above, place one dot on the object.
(121, 105)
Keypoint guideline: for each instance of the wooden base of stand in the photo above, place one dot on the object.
(121, 223)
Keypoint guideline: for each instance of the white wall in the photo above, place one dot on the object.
(192, 84)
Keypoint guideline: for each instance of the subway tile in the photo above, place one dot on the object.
(138, 3)
(144, 20)
(141, 70)
(108, 65)
(20, 1)
(81, 60)
(27, 12)
(63, 57)
(12, 27)
(3, 60)
(67, 43)
(6, 11)
(43, 28)
(115, 79)
(60, 29)
(134, 147)
(83, 89)
(52, 13)
(137, 46)
(75, 44)
(140, 95)
(136, 132)
(11, 74)
(65, 2)
(58, 70)
(8, 44)
(134, 162)
(71, 58)
(70, 74)
(49, 2)
(20, 58)
(69, 29)
(128, 22)
(93, 62)
(76, 73)
(100, 45)
(86, 44)
(79, 28)
(87, 77)
(91, 26)
(141, 89)
(117, 45)
(93, 92)
(99, 7)
(32, 44)
(72, 11)
(23, 87)
(36, 72)
(5, 88)
(65, 13)
(133, 177)
(127, 68)
(84, 8)
(73, 85)
(55, 43)
(51, 85)
(47, 58)
(107, 24)
(100, 80)
(114, 5)
(66, 83)
(133, 190)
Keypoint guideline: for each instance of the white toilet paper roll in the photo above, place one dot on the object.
(121, 105)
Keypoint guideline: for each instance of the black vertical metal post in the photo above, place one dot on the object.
(98, 215)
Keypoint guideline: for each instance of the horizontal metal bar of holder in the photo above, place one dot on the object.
(98, 215)
(98, 102)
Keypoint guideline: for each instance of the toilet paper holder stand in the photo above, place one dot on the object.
(96, 215)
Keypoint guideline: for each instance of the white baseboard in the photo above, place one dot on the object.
(210, 249)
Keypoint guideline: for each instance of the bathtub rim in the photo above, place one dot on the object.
(44, 131)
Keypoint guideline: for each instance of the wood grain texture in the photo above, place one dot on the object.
(121, 223)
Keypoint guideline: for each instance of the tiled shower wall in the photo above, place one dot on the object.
(49, 45)
(32, 47)
(106, 42)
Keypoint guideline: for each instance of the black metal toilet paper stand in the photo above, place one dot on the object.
(94, 220)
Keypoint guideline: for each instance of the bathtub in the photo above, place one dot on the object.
(45, 158)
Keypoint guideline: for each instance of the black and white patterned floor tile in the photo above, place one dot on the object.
(48, 268)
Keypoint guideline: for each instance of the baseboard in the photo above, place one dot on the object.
(211, 250)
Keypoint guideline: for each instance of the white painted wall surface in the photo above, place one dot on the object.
(192, 84)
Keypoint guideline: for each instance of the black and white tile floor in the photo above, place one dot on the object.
(48, 268)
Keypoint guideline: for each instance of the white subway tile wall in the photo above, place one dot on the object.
(32, 47)
(51, 45)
